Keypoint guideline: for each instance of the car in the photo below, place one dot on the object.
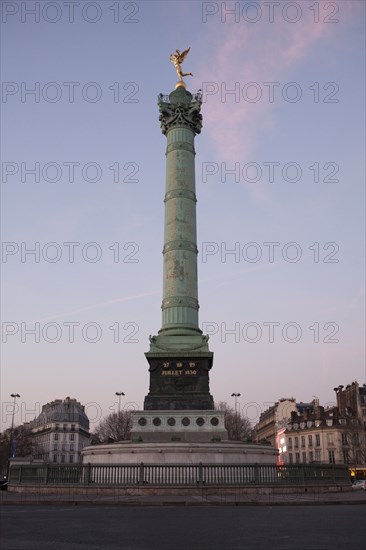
(359, 484)
(4, 484)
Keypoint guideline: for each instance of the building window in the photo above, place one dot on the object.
(311, 456)
(289, 440)
(345, 456)
(72, 427)
(297, 456)
(344, 439)
(304, 458)
(317, 439)
(71, 447)
(290, 458)
(330, 439)
(303, 441)
(317, 455)
(65, 427)
(71, 459)
(72, 437)
(331, 457)
(55, 447)
(57, 427)
(310, 440)
(296, 442)
(56, 437)
(54, 458)
(62, 458)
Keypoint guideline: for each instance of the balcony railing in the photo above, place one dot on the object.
(166, 99)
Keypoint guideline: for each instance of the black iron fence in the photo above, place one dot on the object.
(178, 474)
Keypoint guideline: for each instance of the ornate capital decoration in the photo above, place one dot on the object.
(180, 110)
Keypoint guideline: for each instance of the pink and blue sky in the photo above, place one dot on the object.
(283, 111)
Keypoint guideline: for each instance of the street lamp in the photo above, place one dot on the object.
(119, 393)
(14, 396)
(236, 395)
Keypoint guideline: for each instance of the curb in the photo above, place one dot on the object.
(180, 503)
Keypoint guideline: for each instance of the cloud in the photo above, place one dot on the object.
(240, 53)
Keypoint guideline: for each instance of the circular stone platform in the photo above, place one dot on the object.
(228, 452)
(178, 426)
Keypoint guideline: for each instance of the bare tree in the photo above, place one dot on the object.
(17, 443)
(114, 427)
(354, 442)
(237, 425)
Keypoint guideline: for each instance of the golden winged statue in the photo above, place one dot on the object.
(177, 59)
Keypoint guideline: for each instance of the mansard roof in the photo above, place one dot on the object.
(67, 410)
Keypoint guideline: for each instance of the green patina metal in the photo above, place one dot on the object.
(180, 340)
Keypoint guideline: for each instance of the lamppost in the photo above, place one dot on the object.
(14, 396)
(119, 393)
(236, 395)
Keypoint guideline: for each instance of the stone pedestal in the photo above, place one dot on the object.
(179, 381)
(229, 452)
(192, 426)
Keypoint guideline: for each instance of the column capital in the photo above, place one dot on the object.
(180, 109)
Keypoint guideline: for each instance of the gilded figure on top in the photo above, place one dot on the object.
(177, 59)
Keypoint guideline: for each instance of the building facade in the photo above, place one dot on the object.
(325, 436)
(307, 433)
(351, 400)
(61, 431)
(273, 420)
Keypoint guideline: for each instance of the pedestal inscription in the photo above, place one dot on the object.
(179, 383)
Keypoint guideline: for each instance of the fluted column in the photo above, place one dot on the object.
(179, 357)
(180, 121)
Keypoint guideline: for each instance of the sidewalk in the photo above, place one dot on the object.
(345, 498)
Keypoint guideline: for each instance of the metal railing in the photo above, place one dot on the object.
(178, 474)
